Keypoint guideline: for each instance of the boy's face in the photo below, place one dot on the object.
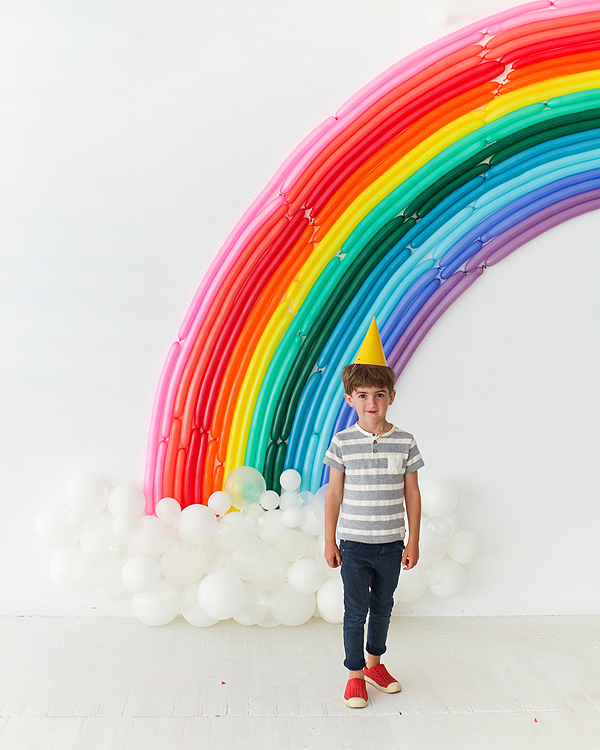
(371, 402)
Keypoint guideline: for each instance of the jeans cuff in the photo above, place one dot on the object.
(375, 651)
(354, 668)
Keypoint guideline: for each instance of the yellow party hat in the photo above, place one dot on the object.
(371, 351)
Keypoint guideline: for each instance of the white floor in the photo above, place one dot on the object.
(477, 682)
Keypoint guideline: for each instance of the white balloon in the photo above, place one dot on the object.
(269, 500)
(149, 537)
(196, 523)
(180, 565)
(196, 616)
(290, 480)
(453, 580)
(306, 498)
(291, 545)
(221, 594)
(167, 505)
(232, 529)
(98, 538)
(189, 596)
(330, 600)
(270, 526)
(303, 609)
(219, 503)
(57, 526)
(441, 527)
(149, 608)
(425, 560)
(126, 500)
(318, 502)
(87, 572)
(434, 574)
(268, 606)
(257, 605)
(123, 526)
(305, 576)
(310, 524)
(249, 561)
(255, 512)
(141, 574)
(210, 556)
(292, 517)
(289, 500)
(242, 618)
(112, 587)
(463, 547)
(87, 494)
(411, 587)
(281, 603)
(171, 595)
(455, 521)
(438, 496)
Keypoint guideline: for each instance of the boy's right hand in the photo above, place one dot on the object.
(332, 555)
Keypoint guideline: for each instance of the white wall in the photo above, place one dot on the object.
(133, 136)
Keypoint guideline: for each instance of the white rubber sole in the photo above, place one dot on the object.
(356, 702)
(393, 687)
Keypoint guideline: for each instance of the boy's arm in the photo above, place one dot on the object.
(412, 501)
(333, 501)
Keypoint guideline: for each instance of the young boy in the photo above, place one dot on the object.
(373, 473)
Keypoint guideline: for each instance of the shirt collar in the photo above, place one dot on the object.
(370, 434)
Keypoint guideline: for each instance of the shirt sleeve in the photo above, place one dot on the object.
(334, 457)
(414, 461)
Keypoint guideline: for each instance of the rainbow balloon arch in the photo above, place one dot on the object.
(439, 168)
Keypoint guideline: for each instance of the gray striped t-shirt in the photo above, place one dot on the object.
(372, 508)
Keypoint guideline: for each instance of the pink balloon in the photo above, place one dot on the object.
(157, 410)
(544, 15)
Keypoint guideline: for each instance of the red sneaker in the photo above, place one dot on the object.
(382, 679)
(356, 693)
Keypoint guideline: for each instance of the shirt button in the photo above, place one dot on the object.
(374, 450)
(375, 442)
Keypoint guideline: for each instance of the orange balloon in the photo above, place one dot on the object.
(396, 149)
(210, 463)
(521, 32)
(543, 71)
(377, 114)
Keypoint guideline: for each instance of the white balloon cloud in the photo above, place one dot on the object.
(261, 566)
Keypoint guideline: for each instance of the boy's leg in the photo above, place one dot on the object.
(384, 580)
(356, 577)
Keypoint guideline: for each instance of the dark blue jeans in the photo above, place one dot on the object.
(370, 575)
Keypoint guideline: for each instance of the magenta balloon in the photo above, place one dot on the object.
(542, 226)
(463, 282)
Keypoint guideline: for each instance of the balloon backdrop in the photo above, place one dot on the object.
(251, 565)
(436, 170)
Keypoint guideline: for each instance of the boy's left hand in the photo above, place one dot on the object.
(410, 556)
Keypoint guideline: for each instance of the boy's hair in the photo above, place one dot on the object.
(368, 376)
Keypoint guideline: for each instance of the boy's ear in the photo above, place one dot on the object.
(392, 397)
(348, 399)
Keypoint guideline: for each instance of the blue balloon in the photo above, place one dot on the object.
(469, 251)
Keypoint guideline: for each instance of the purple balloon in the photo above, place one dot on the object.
(414, 324)
(542, 226)
(524, 225)
(462, 283)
